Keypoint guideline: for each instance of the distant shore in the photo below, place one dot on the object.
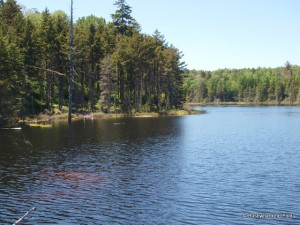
(270, 103)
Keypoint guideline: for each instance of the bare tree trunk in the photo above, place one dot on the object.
(91, 92)
(52, 90)
(158, 92)
(137, 94)
(48, 90)
(121, 88)
(82, 81)
(61, 92)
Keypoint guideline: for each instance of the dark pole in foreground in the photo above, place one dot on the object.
(71, 66)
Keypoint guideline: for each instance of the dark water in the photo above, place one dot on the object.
(215, 168)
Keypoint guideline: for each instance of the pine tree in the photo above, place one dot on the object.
(122, 19)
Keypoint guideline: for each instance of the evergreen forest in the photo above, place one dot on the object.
(117, 68)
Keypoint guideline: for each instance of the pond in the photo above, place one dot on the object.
(223, 167)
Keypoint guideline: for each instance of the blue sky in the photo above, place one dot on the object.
(212, 34)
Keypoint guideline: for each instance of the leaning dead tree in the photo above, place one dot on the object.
(71, 65)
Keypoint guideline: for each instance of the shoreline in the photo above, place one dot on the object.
(44, 120)
(190, 104)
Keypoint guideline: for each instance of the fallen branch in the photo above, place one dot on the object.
(19, 220)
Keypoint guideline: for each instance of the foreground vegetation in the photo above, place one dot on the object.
(269, 86)
(117, 68)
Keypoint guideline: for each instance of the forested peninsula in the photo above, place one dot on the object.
(118, 69)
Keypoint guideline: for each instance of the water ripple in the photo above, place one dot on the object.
(204, 169)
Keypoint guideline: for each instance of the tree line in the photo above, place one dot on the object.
(258, 86)
(117, 67)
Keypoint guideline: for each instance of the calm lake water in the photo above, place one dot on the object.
(215, 168)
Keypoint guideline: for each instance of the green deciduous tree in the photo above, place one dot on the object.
(261, 85)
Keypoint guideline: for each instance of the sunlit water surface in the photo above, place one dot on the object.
(213, 168)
